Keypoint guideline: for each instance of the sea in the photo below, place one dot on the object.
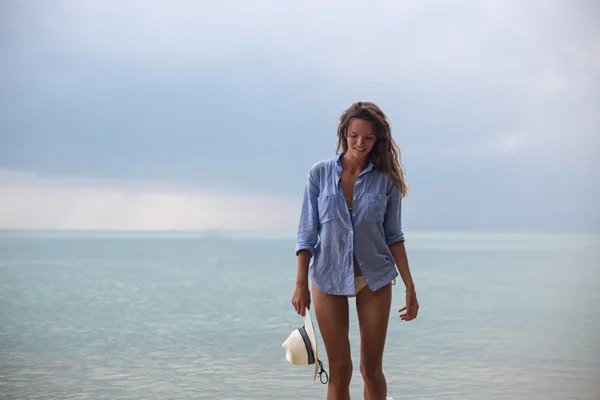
(203, 315)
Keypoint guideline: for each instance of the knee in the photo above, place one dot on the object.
(371, 372)
(340, 372)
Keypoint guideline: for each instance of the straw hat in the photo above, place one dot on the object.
(301, 347)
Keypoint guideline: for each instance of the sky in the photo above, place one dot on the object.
(208, 115)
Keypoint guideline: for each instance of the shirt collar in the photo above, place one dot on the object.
(338, 164)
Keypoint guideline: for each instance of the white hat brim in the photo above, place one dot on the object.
(310, 331)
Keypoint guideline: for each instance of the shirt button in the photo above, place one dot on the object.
(354, 215)
(355, 198)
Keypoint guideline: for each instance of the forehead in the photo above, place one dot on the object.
(360, 127)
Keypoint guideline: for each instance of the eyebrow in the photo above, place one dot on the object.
(369, 134)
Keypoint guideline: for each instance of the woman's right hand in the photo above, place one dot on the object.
(301, 299)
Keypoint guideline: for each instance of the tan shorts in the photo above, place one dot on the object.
(359, 283)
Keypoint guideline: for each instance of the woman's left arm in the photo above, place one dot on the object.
(394, 237)
(411, 309)
(400, 257)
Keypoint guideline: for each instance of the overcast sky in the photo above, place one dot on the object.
(194, 115)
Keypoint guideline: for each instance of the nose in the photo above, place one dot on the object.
(360, 141)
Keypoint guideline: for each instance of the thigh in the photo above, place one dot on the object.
(332, 317)
(373, 310)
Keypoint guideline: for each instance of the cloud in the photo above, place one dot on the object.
(244, 97)
(32, 202)
(386, 43)
(507, 146)
(490, 199)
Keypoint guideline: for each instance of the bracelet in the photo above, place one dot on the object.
(411, 290)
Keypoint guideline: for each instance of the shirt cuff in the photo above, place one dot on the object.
(300, 246)
(395, 238)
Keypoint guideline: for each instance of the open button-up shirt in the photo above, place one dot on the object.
(334, 237)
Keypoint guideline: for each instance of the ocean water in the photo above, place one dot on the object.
(93, 315)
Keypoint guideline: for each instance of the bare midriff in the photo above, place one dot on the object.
(357, 271)
(347, 181)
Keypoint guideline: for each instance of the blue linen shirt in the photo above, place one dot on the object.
(333, 237)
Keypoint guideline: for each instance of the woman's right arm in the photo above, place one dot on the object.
(301, 296)
(306, 240)
(302, 275)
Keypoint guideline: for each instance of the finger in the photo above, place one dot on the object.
(407, 316)
(402, 309)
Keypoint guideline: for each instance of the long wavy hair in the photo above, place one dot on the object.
(385, 154)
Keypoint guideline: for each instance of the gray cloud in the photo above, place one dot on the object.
(491, 101)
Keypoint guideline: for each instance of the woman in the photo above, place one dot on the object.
(350, 225)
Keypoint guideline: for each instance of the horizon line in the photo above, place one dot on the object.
(290, 231)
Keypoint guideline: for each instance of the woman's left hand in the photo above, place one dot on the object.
(411, 308)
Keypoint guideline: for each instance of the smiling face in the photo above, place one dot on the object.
(364, 135)
(361, 138)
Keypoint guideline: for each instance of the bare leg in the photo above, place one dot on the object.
(373, 314)
(333, 320)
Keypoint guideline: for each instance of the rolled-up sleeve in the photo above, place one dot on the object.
(308, 227)
(392, 224)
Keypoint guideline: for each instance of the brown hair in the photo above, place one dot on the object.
(385, 154)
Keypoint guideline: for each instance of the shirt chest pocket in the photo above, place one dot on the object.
(329, 207)
(375, 207)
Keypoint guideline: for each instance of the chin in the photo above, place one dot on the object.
(359, 154)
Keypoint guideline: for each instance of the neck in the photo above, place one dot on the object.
(353, 165)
